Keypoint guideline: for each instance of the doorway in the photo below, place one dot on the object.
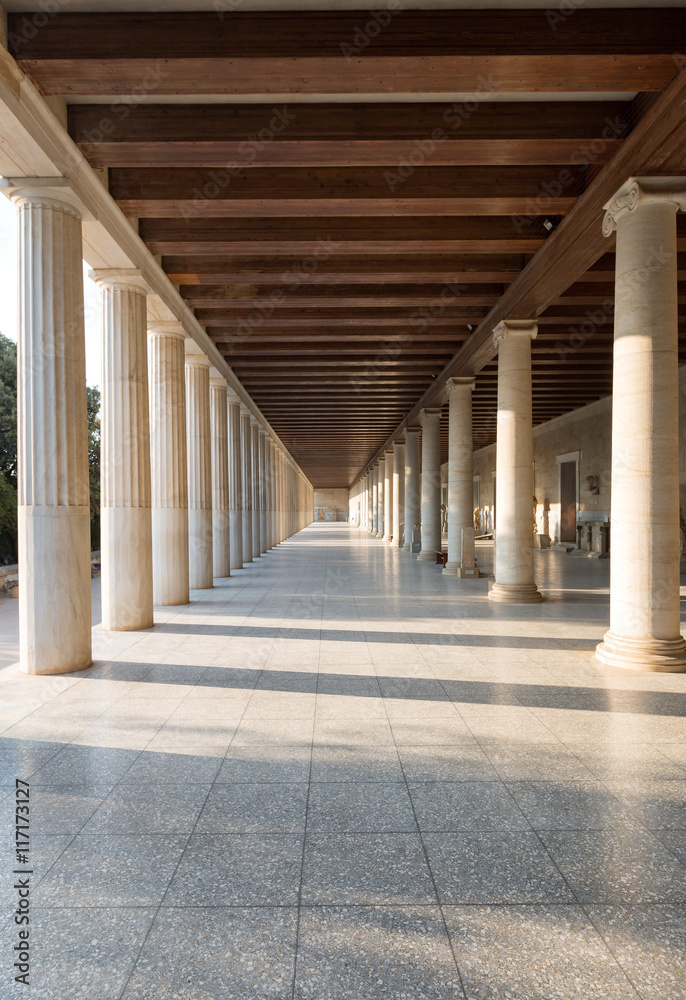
(568, 487)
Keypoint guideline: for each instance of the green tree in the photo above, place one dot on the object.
(93, 404)
(8, 451)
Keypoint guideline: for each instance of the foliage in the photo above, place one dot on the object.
(93, 404)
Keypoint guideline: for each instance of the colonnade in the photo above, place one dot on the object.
(193, 485)
(644, 628)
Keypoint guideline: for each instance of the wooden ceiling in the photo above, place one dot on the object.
(350, 202)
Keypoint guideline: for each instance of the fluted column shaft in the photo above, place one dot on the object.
(200, 561)
(255, 488)
(398, 490)
(264, 491)
(235, 481)
(431, 484)
(219, 433)
(514, 540)
(125, 487)
(460, 468)
(52, 441)
(644, 629)
(381, 497)
(273, 511)
(246, 485)
(413, 514)
(168, 463)
(388, 497)
(375, 500)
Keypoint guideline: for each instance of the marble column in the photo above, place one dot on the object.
(375, 500)
(221, 521)
(398, 491)
(235, 481)
(460, 468)
(199, 450)
(125, 511)
(52, 440)
(246, 484)
(514, 538)
(264, 491)
(255, 486)
(388, 497)
(168, 462)
(431, 484)
(644, 631)
(273, 490)
(413, 494)
(381, 498)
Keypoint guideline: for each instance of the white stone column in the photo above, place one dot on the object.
(375, 500)
(199, 445)
(264, 490)
(381, 497)
(235, 481)
(168, 464)
(221, 521)
(273, 491)
(398, 491)
(125, 488)
(431, 484)
(52, 443)
(413, 494)
(514, 534)
(255, 486)
(460, 468)
(246, 484)
(644, 629)
(388, 497)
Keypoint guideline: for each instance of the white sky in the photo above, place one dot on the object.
(8, 293)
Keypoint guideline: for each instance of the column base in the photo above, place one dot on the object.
(515, 593)
(451, 568)
(388, 538)
(658, 655)
(426, 556)
(454, 569)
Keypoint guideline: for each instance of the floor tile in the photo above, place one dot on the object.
(365, 868)
(495, 868)
(354, 764)
(353, 807)
(446, 763)
(533, 952)
(169, 766)
(58, 809)
(570, 805)
(83, 765)
(376, 953)
(165, 808)
(223, 952)
(612, 866)
(265, 763)
(465, 805)
(107, 870)
(254, 808)
(248, 870)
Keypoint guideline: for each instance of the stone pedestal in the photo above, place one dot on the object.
(514, 539)
(255, 486)
(52, 444)
(246, 484)
(199, 445)
(235, 481)
(125, 505)
(644, 629)
(431, 484)
(219, 431)
(168, 466)
(413, 514)
(398, 491)
(460, 470)
(388, 497)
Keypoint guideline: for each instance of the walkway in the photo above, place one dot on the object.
(341, 775)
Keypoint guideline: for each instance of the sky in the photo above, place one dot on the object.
(8, 293)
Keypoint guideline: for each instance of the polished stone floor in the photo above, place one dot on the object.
(340, 774)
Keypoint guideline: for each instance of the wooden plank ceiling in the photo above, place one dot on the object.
(350, 201)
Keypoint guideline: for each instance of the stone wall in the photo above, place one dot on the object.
(332, 502)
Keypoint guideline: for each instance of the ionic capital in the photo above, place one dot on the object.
(514, 327)
(166, 328)
(128, 278)
(455, 384)
(638, 191)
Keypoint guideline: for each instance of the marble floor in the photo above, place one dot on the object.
(341, 774)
